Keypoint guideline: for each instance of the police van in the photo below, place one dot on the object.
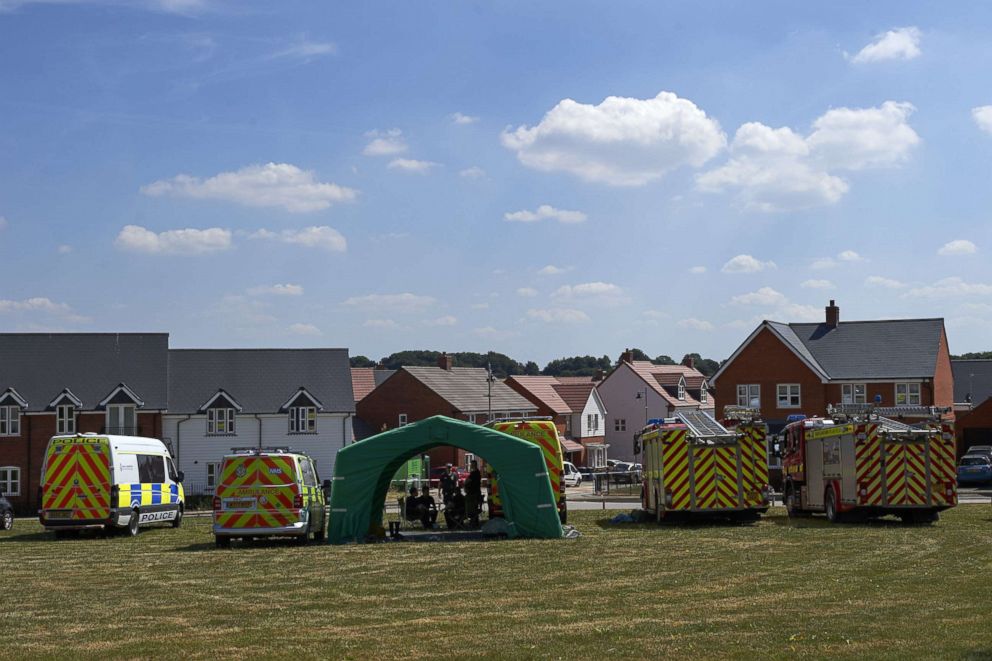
(269, 492)
(110, 482)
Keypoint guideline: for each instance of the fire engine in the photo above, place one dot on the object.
(865, 461)
(695, 465)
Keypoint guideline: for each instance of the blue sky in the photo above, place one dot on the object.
(540, 179)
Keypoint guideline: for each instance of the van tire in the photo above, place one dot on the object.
(222, 542)
(132, 524)
(830, 506)
(178, 521)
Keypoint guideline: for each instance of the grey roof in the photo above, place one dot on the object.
(789, 337)
(972, 377)
(39, 366)
(898, 348)
(465, 389)
(261, 380)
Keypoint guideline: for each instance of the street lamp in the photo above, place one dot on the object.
(490, 378)
(643, 394)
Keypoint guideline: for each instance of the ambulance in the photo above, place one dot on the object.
(269, 492)
(694, 465)
(109, 482)
(543, 433)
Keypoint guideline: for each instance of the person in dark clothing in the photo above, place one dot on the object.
(454, 510)
(413, 504)
(448, 482)
(473, 494)
(428, 509)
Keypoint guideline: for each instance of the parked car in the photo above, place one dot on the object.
(6, 513)
(984, 450)
(570, 474)
(587, 472)
(974, 468)
(624, 472)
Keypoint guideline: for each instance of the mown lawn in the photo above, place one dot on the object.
(776, 589)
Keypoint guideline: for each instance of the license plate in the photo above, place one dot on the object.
(239, 504)
(59, 514)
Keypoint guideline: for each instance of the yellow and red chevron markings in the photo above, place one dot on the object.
(268, 484)
(868, 464)
(906, 474)
(943, 468)
(78, 478)
(675, 468)
(545, 436)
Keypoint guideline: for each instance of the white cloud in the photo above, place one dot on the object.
(323, 237)
(270, 185)
(276, 290)
(545, 211)
(459, 118)
(765, 296)
(41, 305)
(958, 247)
(558, 315)
(983, 117)
(446, 320)
(306, 50)
(591, 292)
(551, 269)
(695, 324)
(64, 249)
(779, 170)
(490, 333)
(696, 270)
(405, 302)
(135, 238)
(382, 324)
(746, 264)
(885, 283)
(950, 288)
(896, 44)
(822, 263)
(181, 7)
(385, 143)
(412, 165)
(304, 329)
(849, 256)
(621, 142)
(817, 284)
(796, 312)
(527, 292)
(474, 172)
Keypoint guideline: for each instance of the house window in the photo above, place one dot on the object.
(213, 471)
(121, 419)
(10, 421)
(749, 394)
(703, 394)
(402, 420)
(907, 394)
(620, 424)
(10, 481)
(788, 396)
(302, 420)
(853, 393)
(65, 419)
(681, 389)
(220, 422)
(469, 458)
(592, 421)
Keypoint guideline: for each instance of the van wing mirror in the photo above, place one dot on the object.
(180, 476)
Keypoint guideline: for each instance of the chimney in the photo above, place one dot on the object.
(689, 362)
(445, 362)
(598, 376)
(833, 314)
(627, 356)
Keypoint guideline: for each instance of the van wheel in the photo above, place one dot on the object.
(178, 521)
(833, 516)
(132, 524)
(301, 540)
(222, 542)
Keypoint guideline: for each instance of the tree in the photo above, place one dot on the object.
(531, 368)
(974, 355)
(362, 361)
(637, 354)
(663, 360)
(577, 366)
(705, 365)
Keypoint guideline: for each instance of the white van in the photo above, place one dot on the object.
(93, 480)
(570, 474)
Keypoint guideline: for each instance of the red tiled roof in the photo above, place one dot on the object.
(656, 375)
(543, 388)
(575, 394)
(362, 381)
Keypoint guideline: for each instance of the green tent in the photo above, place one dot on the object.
(362, 473)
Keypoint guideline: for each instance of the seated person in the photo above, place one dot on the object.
(454, 509)
(428, 509)
(413, 504)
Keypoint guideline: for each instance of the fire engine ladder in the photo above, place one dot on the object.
(702, 424)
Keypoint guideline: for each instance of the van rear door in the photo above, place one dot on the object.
(258, 491)
(76, 482)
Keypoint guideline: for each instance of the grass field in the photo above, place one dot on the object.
(776, 589)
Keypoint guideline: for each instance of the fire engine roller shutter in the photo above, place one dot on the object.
(363, 470)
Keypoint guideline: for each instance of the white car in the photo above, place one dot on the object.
(570, 474)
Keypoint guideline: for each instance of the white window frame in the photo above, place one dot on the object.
(619, 424)
(849, 393)
(10, 475)
(744, 393)
(704, 395)
(909, 386)
(213, 474)
(122, 408)
(221, 417)
(471, 418)
(681, 390)
(469, 458)
(302, 419)
(402, 420)
(788, 396)
(10, 421)
(65, 419)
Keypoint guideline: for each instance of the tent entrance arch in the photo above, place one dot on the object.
(362, 473)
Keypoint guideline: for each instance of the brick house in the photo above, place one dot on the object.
(972, 402)
(575, 406)
(63, 383)
(637, 391)
(788, 368)
(225, 398)
(463, 393)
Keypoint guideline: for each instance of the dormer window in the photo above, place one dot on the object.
(704, 395)
(302, 410)
(220, 422)
(10, 421)
(65, 419)
(681, 392)
(122, 411)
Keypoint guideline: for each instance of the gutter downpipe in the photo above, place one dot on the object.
(344, 430)
(178, 434)
(255, 415)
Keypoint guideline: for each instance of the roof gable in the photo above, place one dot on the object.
(122, 394)
(366, 379)
(657, 377)
(221, 400)
(65, 395)
(11, 397)
(575, 393)
(467, 389)
(543, 388)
